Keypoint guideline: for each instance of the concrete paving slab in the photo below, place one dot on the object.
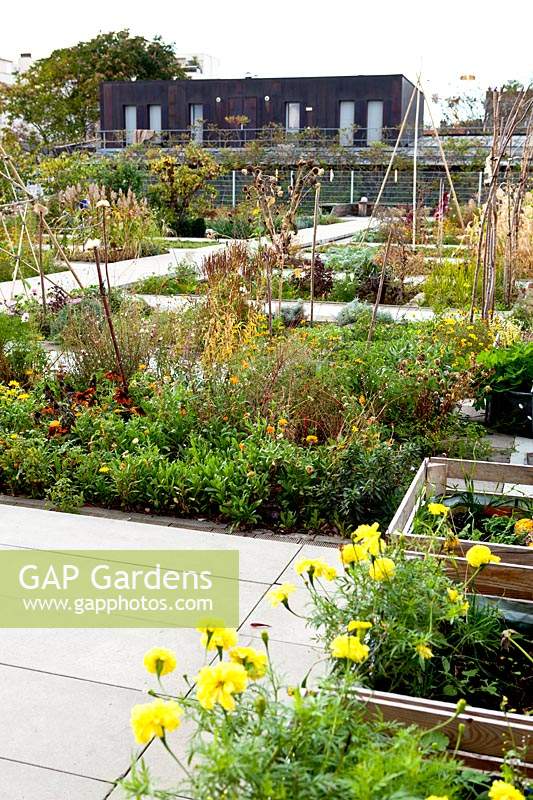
(114, 655)
(66, 724)
(260, 560)
(27, 782)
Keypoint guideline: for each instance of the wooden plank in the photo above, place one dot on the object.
(483, 735)
(487, 471)
(408, 505)
(510, 553)
(500, 580)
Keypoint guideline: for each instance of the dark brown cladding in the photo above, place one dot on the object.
(264, 101)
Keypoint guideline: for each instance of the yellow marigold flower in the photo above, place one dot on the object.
(362, 399)
(382, 569)
(424, 651)
(437, 797)
(234, 380)
(270, 429)
(311, 439)
(353, 553)
(254, 662)
(55, 424)
(13, 436)
(281, 594)
(437, 509)
(479, 555)
(500, 790)
(104, 469)
(155, 719)
(142, 366)
(218, 684)
(160, 661)
(366, 532)
(23, 396)
(245, 364)
(214, 638)
(521, 526)
(453, 595)
(316, 568)
(13, 383)
(349, 647)
(358, 625)
(242, 446)
(283, 422)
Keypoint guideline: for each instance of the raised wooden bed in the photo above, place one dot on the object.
(486, 737)
(437, 477)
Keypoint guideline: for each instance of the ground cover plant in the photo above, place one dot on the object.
(309, 427)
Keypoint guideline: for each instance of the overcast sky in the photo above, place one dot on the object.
(289, 37)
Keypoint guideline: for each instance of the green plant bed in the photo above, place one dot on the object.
(183, 279)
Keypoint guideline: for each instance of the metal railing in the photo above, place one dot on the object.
(270, 136)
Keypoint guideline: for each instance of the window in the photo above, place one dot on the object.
(130, 122)
(154, 118)
(292, 117)
(374, 121)
(196, 117)
(346, 122)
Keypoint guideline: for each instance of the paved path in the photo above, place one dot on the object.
(324, 311)
(122, 273)
(66, 695)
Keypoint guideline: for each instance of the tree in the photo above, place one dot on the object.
(59, 95)
(184, 187)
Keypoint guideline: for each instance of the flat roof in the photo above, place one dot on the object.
(273, 78)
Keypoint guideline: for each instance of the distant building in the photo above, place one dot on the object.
(508, 98)
(351, 110)
(9, 71)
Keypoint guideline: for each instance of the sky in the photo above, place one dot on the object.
(442, 40)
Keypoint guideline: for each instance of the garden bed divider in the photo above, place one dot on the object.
(487, 734)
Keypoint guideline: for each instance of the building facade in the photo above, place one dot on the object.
(354, 110)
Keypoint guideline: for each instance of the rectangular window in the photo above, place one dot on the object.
(346, 122)
(154, 118)
(130, 122)
(374, 121)
(292, 117)
(196, 117)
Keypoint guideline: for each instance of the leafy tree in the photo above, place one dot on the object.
(183, 188)
(59, 95)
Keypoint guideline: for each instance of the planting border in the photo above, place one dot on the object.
(513, 577)
(486, 735)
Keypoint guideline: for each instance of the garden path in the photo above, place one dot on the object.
(122, 273)
(66, 694)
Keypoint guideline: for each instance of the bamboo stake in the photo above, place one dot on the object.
(313, 255)
(380, 288)
(415, 161)
(109, 320)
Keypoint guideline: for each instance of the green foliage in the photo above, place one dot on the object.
(182, 279)
(58, 95)
(511, 367)
(183, 187)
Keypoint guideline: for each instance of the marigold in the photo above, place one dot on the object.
(55, 423)
(437, 509)
(218, 684)
(215, 638)
(104, 469)
(254, 662)
(437, 797)
(155, 719)
(424, 651)
(500, 790)
(270, 429)
(311, 439)
(359, 625)
(382, 569)
(23, 396)
(281, 594)
(160, 661)
(349, 647)
(453, 595)
(479, 555)
(521, 526)
(352, 553)
(366, 531)
(283, 422)
(234, 380)
(316, 568)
